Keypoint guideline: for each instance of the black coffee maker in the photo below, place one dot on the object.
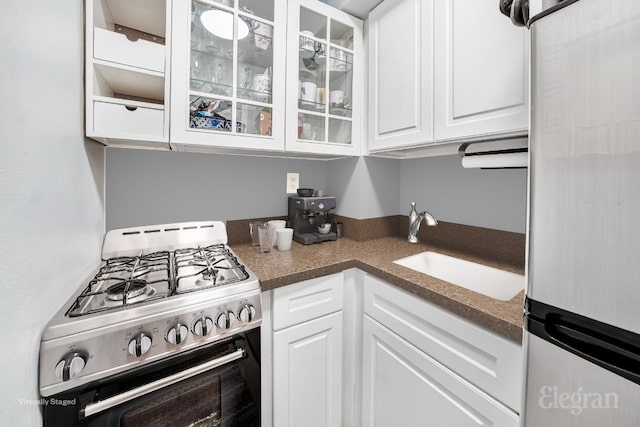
(307, 214)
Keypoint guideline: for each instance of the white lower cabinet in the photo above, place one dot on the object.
(350, 349)
(405, 387)
(307, 373)
(421, 362)
(307, 353)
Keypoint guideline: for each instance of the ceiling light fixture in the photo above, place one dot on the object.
(220, 24)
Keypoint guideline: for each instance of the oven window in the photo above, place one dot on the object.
(195, 404)
(221, 398)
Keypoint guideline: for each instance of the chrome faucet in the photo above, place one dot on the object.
(415, 219)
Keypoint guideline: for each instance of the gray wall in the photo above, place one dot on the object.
(51, 187)
(156, 187)
(484, 198)
(365, 187)
(152, 187)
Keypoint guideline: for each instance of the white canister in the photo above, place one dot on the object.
(284, 237)
(308, 91)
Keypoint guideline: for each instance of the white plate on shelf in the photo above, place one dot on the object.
(336, 111)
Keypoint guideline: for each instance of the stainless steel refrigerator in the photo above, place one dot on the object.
(582, 339)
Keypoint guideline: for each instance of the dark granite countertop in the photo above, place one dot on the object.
(376, 257)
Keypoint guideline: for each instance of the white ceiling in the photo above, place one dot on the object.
(359, 8)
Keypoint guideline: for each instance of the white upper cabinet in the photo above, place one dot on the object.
(400, 74)
(481, 73)
(446, 70)
(227, 76)
(325, 80)
(127, 72)
(228, 86)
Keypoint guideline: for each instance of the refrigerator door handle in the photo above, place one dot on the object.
(612, 348)
(605, 351)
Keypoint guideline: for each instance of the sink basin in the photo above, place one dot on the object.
(489, 281)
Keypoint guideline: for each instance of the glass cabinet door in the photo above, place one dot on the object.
(325, 78)
(231, 66)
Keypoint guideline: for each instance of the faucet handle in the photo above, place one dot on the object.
(413, 213)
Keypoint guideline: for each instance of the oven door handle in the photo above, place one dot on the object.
(103, 405)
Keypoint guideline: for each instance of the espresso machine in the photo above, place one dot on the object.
(306, 214)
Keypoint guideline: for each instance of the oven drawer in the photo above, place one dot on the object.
(111, 119)
(307, 300)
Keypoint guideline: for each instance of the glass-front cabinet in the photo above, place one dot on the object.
(325, 79)
(228, 68)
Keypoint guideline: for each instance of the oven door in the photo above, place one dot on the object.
(215, 386)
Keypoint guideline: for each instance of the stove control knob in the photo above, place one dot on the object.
(70, 366)
(225, 319)
(139, 345)
(177, 334)
(247, 312)
(321, 205)
(203, 326)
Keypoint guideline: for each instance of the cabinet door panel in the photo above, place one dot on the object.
(482, 357)
(400, 63)
(225, 93)
(405, 387)
(481, 76)
(398, 101)
(307, 373)
(325, 82)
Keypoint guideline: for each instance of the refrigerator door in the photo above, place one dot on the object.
(584, 235)
(564, 390)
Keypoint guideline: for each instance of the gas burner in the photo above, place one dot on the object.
(123, 281)
(200, 268)
(208, 277)
(129, 290)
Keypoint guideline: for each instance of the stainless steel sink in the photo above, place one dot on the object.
(495, 283)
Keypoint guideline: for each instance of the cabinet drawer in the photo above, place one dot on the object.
(307, 300)
(482, 357)
(119, 120)
(115, 47)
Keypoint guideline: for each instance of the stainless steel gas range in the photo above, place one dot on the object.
(171, 309)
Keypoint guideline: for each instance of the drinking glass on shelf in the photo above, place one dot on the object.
(246, 78)
(198, 71)
(220, 76)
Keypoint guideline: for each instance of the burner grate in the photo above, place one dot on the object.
(124, 281)
(208, 267)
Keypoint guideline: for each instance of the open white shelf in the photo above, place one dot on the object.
(127, 71)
